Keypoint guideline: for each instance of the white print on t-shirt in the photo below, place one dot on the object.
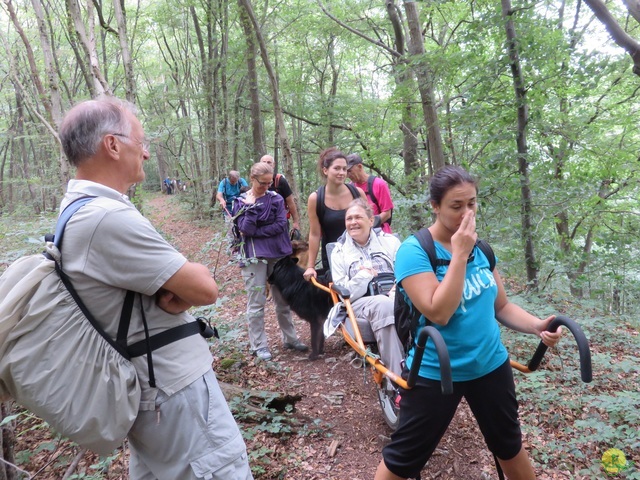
(475, 283)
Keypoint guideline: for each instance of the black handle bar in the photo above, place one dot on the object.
(581, 340)
(340, 290)
(443, 358)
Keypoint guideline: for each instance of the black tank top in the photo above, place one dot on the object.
(331, 221)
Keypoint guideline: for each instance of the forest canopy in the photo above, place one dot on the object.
(538, 99)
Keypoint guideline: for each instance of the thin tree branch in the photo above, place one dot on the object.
(622, 38)
(359, 33)
(103, 23)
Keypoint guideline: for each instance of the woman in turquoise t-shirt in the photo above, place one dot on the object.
(463, 301)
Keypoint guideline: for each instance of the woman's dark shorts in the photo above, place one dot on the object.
(425, 415)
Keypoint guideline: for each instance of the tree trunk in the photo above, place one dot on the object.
(8, 444)
(50, 99)
(425, 86)
(98, 85)
(257, 129)
(559, 153)
(34, 73)
(80, 56)
(49, 62)
(4, 151)
(207, 58)
(129, 80)
(404, 83)
(633, 6)
(223, 97)
(521, 142)
(333, 90)
(20, 133)
(275, 96)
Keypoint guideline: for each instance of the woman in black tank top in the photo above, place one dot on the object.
(327, 206)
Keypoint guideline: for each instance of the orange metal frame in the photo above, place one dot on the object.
(378, 368)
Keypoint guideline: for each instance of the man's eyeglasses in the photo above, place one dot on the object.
(144, 142)
(264, 184)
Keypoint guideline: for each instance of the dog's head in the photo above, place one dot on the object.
(299, 246)
(300, 251)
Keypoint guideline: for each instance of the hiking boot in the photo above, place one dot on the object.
(263, 353)
(297, 345)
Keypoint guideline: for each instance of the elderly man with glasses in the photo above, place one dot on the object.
(184, 428)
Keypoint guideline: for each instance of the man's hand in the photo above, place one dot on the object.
(170, 302)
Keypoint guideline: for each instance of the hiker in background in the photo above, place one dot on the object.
(376, 189)
(326, 207)
(360, 255)
(229, 189)
(281, 186)
(110, 248)
(167, 185)
(463, 300)
(262, 221)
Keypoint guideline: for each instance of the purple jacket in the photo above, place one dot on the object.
(264, 226)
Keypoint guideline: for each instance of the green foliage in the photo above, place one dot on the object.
(580, 421)
(23, 235)
(337, 87)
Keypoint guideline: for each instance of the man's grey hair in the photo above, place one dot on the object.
(234, 174)
(86, 123)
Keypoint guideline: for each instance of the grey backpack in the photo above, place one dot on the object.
(58, 362)
(55, 362)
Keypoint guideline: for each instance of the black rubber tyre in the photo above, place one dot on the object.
(387, 397)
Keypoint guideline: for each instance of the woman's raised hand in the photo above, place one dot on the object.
(464, 239)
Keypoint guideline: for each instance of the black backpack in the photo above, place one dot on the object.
(373, 197)
(406, 317)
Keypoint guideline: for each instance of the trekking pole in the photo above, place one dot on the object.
(583, 349)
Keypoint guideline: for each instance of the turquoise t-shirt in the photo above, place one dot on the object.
(472, 335)
(230, 192)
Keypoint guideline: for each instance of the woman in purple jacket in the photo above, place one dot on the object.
(262, 220)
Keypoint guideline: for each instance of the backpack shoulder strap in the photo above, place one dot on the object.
(276, 182)
(488, 252)
(425, 239)
(370, 193)
(320, 207)
(66, 215)
(353, 189)
(320, 203)
(426, 242)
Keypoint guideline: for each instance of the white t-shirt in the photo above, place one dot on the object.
(108, 248)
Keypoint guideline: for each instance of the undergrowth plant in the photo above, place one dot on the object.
(569, 424)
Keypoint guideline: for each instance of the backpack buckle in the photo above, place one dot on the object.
(206, 330)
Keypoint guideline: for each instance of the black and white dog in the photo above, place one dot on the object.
(308, 301)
